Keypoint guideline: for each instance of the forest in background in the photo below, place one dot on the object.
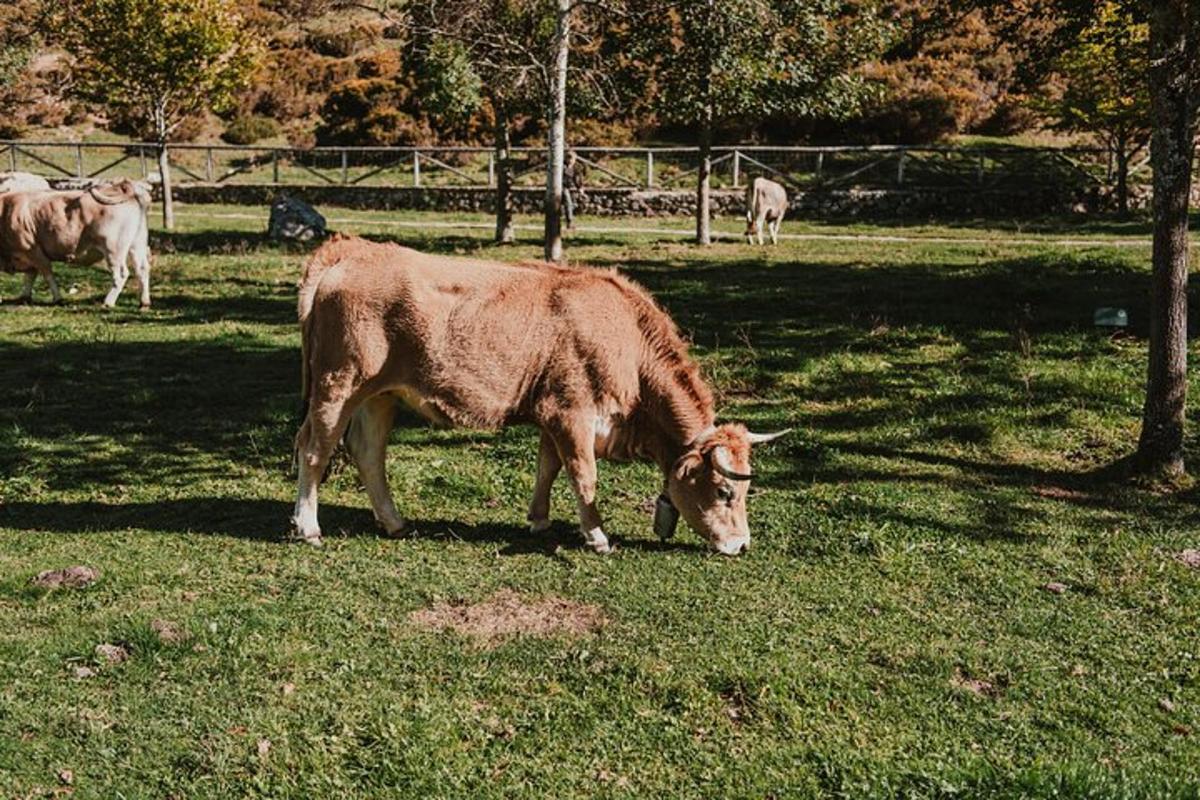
(333, 73)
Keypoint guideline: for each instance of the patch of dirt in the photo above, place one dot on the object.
(111, 653)
(1054, 587)
(72, 577)
(506, 614)
(1189, 557)
(168, 632)
(973, 685)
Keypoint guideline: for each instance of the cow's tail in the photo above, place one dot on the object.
(750, 202)
(319, 263)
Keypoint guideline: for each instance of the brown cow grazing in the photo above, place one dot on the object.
(105, 222)
(585, 355)
(766, 203)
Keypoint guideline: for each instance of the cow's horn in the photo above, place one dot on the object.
(722, 464)
(763, 438)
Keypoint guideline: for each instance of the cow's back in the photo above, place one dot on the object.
(482, 342)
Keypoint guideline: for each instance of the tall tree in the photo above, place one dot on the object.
(1104, 90)
(715, 61)
(1174, 77)
(160, 61)
(505, 42)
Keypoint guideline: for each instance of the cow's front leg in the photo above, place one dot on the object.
(577, 449)
(549, 465)
(762, 223)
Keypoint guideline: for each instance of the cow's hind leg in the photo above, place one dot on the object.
(762, 223)
(141, 267)
(773, 229)
(576, 449)
(367, 439)
(118, 264)
(549, 465)
(26, 294)
(328, 414)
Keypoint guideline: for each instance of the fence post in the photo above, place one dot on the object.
(275, 166)
(820, 163)
(900, 168)
(78, 161)
(12, 157)
(416, 167)
(345, 166)
(737, 168)
(208, 165)
(142, 159)
(979, 170)
(491, 169)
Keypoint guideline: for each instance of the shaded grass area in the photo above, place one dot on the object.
(889, 635)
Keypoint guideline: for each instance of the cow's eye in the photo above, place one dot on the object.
(725, 493)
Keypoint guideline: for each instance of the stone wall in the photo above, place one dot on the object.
(849, 203)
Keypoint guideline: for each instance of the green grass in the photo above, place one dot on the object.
(956, 415)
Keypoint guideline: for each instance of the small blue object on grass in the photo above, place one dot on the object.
(1110, 318)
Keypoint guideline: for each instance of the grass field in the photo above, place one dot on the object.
(889, 635)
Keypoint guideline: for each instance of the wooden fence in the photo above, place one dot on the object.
(869, 167)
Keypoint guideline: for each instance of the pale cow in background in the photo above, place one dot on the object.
(106, 222)
(22, 182)
(766, 203)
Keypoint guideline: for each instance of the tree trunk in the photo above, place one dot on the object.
(504, 201)
(164, 174)
(1160, 447)
(704, 168)
(558, 132)
(1122, 176)
(703, 201)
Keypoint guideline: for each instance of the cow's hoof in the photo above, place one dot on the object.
(596, 540)
(399, 532)
(143, 307)
(539, 525)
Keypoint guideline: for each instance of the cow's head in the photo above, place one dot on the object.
(751, 229)
(709, 482)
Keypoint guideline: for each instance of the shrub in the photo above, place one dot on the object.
(250, 129)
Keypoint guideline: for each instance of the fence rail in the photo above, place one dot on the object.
(801, 167)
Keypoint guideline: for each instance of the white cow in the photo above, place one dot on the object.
(22, 182)
(766, 202)
(99, 223)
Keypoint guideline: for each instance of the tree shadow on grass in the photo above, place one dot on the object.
(268, 521)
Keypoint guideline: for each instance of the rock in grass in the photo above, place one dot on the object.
(295, 220)
(1054, 587)
(72, 577)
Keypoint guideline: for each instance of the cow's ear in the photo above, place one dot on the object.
(689, 464)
